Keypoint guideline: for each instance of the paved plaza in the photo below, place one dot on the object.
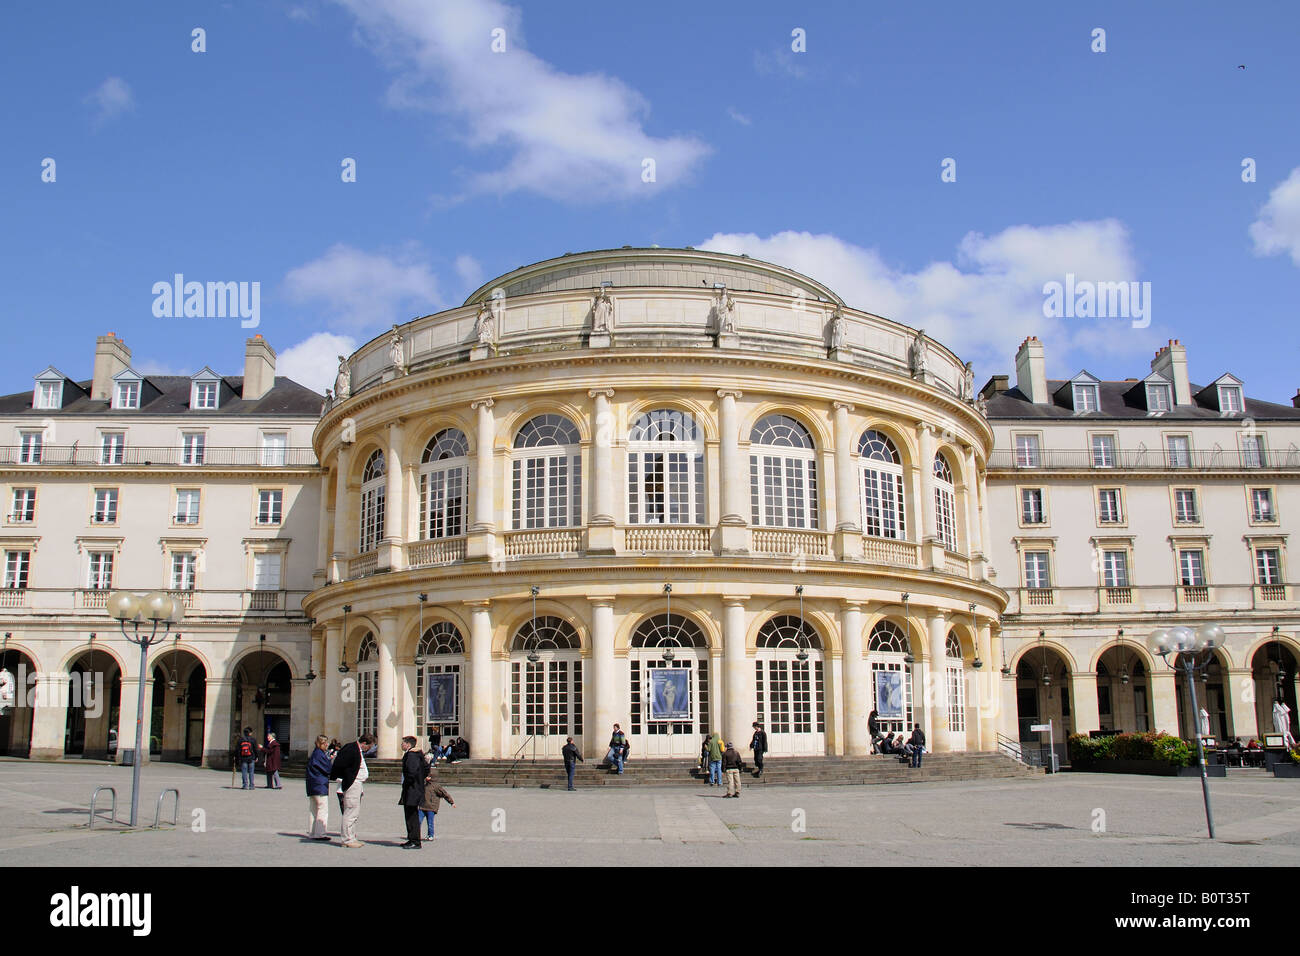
(1049, 821)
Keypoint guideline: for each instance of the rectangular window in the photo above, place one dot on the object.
(187, 506)
(274, 449)
(1158, 398)
(30, 447)
(1031, 505)
(105, 506)
(23, 507)
(1252, 451)
(945, 513)
(1027, 453)
(1108, 506)
(1114, 569)
(1230, 400)
(128, 395)
(1268, 566)
(1085, 398)
(1261, 505)
(1103, 451)
(1185, 510)
(183, 566)
(193, 448)
(1191, 567)
(1036, 570)
(1179, 449)
(101, 571)
(205, 395)
(266, 572)
(17, 564)
(112, 448)
(48, 394)
(269, 505)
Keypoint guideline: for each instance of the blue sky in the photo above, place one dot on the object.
(1123, 165)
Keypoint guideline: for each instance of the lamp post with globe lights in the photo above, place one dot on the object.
(1189, 644)
(157, 608)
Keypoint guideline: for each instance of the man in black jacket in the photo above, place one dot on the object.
(571, 757)
(917, 743)
(414, 772)
(350, 771)
(759, 745)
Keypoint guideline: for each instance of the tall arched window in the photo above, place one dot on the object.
(438, 691)
(790, 698)
(670, 697)
(443, 469)
(782, 474)
(547, 469)
(368, 686)
(945, 502)
(882, 486)
(956, 680)
(665, 469)
(891, 676)
(372, 502)
(546, 694)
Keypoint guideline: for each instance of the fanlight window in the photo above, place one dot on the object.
(658, 632)
(952, 646)
(549, 634)
(788, 631)
(448, 443)
(665, 473)
(444, 469)
(547, 474)
(369, 650)
(882, 486)
(442, 638)
(888, 638)
(372, 502)
(546, 431)
(945, 502)
(782, 474)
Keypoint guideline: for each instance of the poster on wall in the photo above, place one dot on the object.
(670, 693)
(441, 697)
(889, 695)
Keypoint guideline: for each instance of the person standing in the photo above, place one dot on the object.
(731, 764)
(318, 789)
(433, 793)
(271, 762)
(571, 758)
(715, 760)
(873, 723)
(414, 772)
(759, 745)
(246, 754)
(351, 772)
(917, 743)
(615, 755)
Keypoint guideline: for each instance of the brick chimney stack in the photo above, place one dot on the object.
(1171, 362)
(1031, 371)
(259, 368)
(111, 356)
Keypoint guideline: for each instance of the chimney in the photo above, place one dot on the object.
(111, 356)
(995, 384)
(259, 368)
(1171, 362)
(1295, 401)
(1031, 371)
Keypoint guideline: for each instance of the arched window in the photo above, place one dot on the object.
(788, 631)
(670, 694)
(665, 469)
(546, 694)
(945, 502)
(372, 502)
(782, 474)
(790, 693)
(956, 681)
(547, 469)
(443, 470)
(438, 691)
(659, 632)
(888, 648)
(367, 685)
(882, 486)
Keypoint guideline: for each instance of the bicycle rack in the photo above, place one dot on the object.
(94, 797)
(176, 807)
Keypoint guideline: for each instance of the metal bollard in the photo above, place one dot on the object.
(176, 807)
(94, 797)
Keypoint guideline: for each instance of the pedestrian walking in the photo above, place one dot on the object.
(414, 772)
(758, 744)
(271, 761)
(731, 766)
(917, 743)
(246, 754)
(350, 770)
(715, 760)
(318, 790)
(433, 793)
(617, 741)
(571, 758)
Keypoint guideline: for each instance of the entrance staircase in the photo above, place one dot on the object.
(661, 772)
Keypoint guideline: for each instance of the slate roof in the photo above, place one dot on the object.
(287, 399)
(1125, 400)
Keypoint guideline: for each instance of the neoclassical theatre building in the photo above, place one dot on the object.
(676, 490)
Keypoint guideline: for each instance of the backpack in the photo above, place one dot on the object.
(245, 749)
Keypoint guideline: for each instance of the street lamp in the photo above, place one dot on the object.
(533, 656)
(343, 661)
(668, 654)
(907, 623)
(1123, 659)
(311, 671)
(975, 637)
(1182, 641)
(158, 608)
(419, 654)
(1047, 674)
(803, 651)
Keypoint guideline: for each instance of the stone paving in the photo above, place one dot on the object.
(1035, 822)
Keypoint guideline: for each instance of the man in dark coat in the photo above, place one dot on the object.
(571, 758)
(759, 745)
(917, 743)
(271, 762)
(414, 772)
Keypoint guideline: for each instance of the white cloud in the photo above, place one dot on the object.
(739, 117)
(315, 360)
(360, 290)
(1277, 229)
(470, 272)
(111, 99)
(565, 136)
(984, 302)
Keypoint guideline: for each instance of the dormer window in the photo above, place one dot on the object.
(205, 395)
(48, 395)
(1230, 402)
(127, 395)
(1085, 398)
(1159, 397)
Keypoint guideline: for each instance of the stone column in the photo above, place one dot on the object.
(986, 539)
(302, 738)
(739, 703)
(51, 718)
(857, 681)
(408, 721)
(1245, 724)
(1164, 699)
(932, 555)
(387, 691)
(480, 679)
(332, 695)
(973, 546)
(734, 478)
(324, 535)
(217, 737)
(606, 709)
(936, 694)
(848, 520)
(126, 716)
(316, 688)
(481, 542)
(1083, 702)
(339, 556)
(989, 702)
(390, 555)
(600, 533)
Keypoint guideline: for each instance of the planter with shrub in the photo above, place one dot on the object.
(1150, 753)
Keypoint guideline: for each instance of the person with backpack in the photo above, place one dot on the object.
(246, 755)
